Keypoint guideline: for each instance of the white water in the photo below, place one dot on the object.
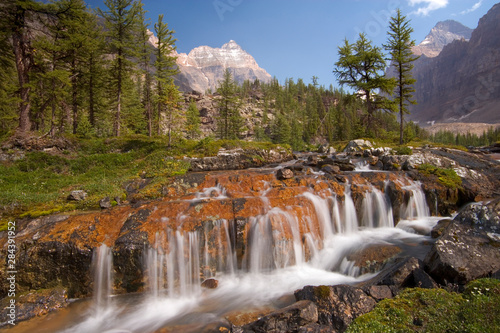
(284, 252)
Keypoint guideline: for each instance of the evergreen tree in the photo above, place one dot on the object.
(120, 19)
(171, 102)
(145, 53)
(361, 67)
(229, 122)
(399, 46)
(193, 121)
(165, 66)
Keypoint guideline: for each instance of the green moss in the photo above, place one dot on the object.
(403, 150)
(436, 310)
(447, 177)
(322, 292)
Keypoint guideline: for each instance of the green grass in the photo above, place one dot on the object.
(436, 310)
(39, 184)
(447, 177)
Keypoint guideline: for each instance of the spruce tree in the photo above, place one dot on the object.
(400, 48)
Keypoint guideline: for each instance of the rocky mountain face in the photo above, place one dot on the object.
(204, 67)
(461, 83)
(441, 35)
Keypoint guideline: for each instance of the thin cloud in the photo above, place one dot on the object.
(428, 6)
(473, 8)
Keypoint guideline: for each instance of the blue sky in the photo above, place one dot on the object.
(299, 38)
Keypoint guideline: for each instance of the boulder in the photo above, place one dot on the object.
(330, 169)
(289, 319)
(337, 305)
(358, 146)
(210, 284)
(285, 173)
(78, 195)
(468, 248)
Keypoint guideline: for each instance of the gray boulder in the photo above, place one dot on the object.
(337, 305)
(358, 146)
(468, 247)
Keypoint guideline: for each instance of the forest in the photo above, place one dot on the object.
(67, 70)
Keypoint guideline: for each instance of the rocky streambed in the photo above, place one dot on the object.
(328, 220)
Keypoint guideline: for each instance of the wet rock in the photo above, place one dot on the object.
(344, 165)
(38, 303)
(105, 203)
(338, 305)
(371, 259)
(468, 247)
(404, 273)
(284, 173)
(210, 284)
(289, 319)
(358, 146)
(331, 169)
(438, 229)
(77, 195)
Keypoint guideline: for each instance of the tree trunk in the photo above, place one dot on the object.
(119, 95)
(23, 57)
(74, 102)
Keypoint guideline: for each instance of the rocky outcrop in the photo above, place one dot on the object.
(237, 159)
(203, 68)
(460, 84)
(468, 247)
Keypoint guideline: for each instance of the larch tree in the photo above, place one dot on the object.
(120, 20)
(144, 56)
(361, 67)
(400, 46)
(193, 121)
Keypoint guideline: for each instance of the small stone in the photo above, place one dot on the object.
(105, 203)
(77, 195)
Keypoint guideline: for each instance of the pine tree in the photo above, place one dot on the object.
(165, 66)
(193, 121)
(171, 102)
(399, 45)
(120, 20)
(361, 66)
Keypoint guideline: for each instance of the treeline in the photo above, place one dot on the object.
(467, 140)
(65, 68)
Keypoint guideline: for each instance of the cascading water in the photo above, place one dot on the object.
(285, 248)
(102, 261)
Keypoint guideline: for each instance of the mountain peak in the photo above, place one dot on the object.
(442, 34)
(231, 45)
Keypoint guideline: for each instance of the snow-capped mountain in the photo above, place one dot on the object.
(204, 67)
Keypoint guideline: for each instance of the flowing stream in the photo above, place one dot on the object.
(283, 253)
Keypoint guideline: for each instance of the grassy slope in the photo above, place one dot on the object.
(40, 183)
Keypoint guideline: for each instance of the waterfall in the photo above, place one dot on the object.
(377, 211)
(350, 217)
(102, 262)
(417, 207)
